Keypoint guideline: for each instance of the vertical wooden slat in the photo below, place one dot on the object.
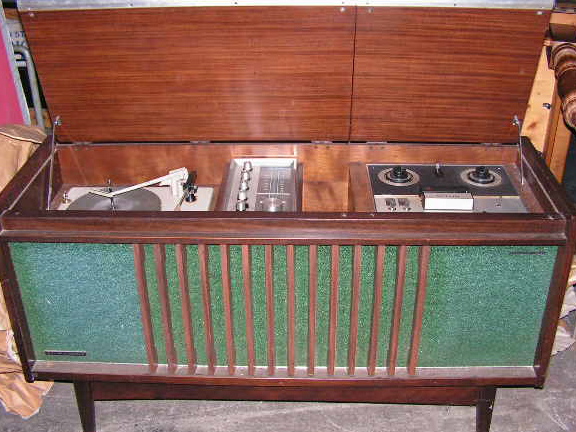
(334, 294)
(164, 296)
(207, 304)
(312, 306)
(182, 265)
(248, 301)
(376, 309)
(146, 314)
(269, 264)
(228, 315)
(397, 310)
(291, 285)
(423, 265)
(354, 308)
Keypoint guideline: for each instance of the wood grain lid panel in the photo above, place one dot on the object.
(194, 74)
(444, 74)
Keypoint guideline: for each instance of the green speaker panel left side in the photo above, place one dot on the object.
(81, 297)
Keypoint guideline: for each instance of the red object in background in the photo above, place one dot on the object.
(10, 110)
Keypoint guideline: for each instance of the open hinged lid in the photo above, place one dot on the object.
(425, 71)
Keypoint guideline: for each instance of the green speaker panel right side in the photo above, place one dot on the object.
(484, 305)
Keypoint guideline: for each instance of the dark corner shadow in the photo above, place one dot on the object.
(569, 180)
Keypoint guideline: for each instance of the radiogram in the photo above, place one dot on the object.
(305, 206)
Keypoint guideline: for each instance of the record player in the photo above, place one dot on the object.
(368, 214)
(178, 194)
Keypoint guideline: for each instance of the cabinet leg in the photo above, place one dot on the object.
(85, 403)
(484, 409)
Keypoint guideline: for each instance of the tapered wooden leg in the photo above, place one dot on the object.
(85, 402)
(484, 409)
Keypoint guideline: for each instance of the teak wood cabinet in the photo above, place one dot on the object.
(333, 303)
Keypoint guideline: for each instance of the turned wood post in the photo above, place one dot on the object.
(563, 61)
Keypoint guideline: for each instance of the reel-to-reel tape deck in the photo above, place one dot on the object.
(466, 188)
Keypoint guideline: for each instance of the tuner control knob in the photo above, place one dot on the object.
(244, 186)
(241, 206)
(247, 166)
(245, 176)
(242, 196)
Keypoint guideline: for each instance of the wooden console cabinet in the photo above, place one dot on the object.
(336, 302)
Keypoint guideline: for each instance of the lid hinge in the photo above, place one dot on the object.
(518, 123)
(57, 122)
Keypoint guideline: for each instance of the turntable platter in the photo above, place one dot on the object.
(139, 199)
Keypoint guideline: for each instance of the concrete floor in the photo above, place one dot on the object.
(517, 410)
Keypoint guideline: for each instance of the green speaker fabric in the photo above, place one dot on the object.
(81, 297)
(484, 304)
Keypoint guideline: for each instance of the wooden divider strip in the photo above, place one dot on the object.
(423, 266)
(376, 309)
(334, 294)
(228, 313)
(164, 296)
(291, 285)
(354, 308)
(269, 264)
(248, 301)
(182, 265)
(139, 259)
(312, 306)
(207, 304)
(397, 310)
